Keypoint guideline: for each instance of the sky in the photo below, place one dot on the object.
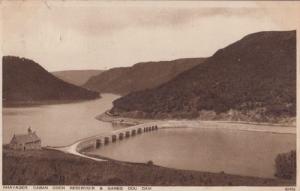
(66, 35)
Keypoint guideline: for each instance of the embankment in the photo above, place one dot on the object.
(196, 123)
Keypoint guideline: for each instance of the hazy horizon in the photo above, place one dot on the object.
(102, 35)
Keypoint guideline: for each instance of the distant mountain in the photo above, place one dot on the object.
(25, 80)
(140, 76)
(254, 77)
(76, 77)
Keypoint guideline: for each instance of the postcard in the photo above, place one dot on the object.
(149, 95)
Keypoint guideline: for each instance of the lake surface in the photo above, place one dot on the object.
(205, 149)
(58, 124)
(213, 150)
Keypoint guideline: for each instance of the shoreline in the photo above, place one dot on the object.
(16, 104)
(168, 123)
(222, 124)
(73, 148)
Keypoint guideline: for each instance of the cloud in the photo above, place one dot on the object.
(77, 35)
(101, 20)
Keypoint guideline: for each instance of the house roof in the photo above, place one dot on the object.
(26, 138)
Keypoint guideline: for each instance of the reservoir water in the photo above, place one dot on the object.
(206, 149)
(213, 150)
(58, 124)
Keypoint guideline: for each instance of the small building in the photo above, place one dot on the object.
(29, 141)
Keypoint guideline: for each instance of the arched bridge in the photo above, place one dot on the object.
(117, 135)
(98, 141)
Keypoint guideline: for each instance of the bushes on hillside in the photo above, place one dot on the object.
(286, 165)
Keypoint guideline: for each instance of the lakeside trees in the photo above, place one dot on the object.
(286, 165)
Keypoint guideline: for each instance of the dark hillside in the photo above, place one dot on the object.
(256, 74)
(25, 80)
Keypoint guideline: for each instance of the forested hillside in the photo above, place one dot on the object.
(26, 81)
(254, 77)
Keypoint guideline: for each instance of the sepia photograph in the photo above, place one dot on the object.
(149, 95)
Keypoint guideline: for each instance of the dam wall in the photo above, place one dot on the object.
(118, 135)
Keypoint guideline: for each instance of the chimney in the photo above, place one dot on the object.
(29, 130)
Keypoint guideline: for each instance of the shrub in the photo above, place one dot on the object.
(286, 165)
(150, 163)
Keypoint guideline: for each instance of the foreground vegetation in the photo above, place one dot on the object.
(286, 165)
(48, 167)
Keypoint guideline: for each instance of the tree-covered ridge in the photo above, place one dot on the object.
(256, 73)
(25, 80)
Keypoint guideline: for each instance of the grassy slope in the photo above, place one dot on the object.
(56, 168)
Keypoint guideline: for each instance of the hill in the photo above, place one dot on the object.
(251, 79)
(140, 76)
(76, 77)
(26, 81)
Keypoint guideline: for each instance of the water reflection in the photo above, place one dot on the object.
(58, 124)
(213, 150)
